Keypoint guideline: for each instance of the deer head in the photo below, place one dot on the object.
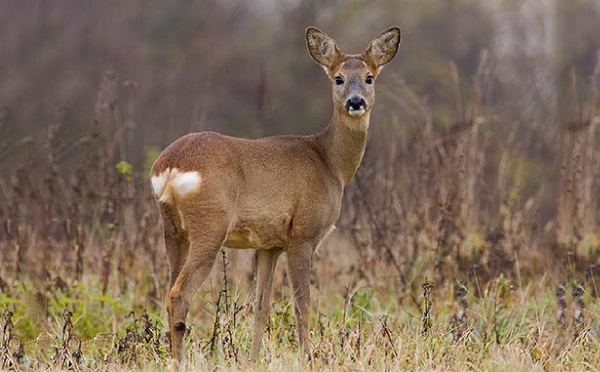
(353, 76)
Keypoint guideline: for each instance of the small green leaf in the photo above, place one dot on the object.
(125, 169)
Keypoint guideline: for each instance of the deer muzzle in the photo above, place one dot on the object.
(356, 106)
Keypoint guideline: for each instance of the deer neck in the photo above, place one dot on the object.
(343, 143)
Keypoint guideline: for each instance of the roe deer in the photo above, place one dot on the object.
(276, 194)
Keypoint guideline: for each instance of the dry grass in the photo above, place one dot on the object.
(354, 327)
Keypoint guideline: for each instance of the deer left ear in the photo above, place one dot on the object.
(384, 47)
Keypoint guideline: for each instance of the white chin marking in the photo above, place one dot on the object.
(181, 183)
(353, 112)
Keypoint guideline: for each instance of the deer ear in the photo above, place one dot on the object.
(322, 48)
(384, 47)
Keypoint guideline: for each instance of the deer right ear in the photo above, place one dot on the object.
(322, 48)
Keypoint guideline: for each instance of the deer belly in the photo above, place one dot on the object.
(253, 235)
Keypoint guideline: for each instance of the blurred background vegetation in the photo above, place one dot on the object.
(483, 148)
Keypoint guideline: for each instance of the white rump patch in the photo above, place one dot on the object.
(185, 182)
(159, 182)
(181, 183)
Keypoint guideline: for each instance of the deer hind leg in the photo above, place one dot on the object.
(177, 247)
(205, 241)
(177, 243)
(265, 267)
(299, 264)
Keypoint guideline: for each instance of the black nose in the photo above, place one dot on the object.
(355, 103)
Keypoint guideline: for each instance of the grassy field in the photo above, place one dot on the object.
(544, 324)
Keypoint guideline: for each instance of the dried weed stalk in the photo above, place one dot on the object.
(11, 348)
(225, 321)
(142, 338)
(67, 352)
(427, 303)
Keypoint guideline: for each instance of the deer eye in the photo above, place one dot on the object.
(369, 80)
(339, 80)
